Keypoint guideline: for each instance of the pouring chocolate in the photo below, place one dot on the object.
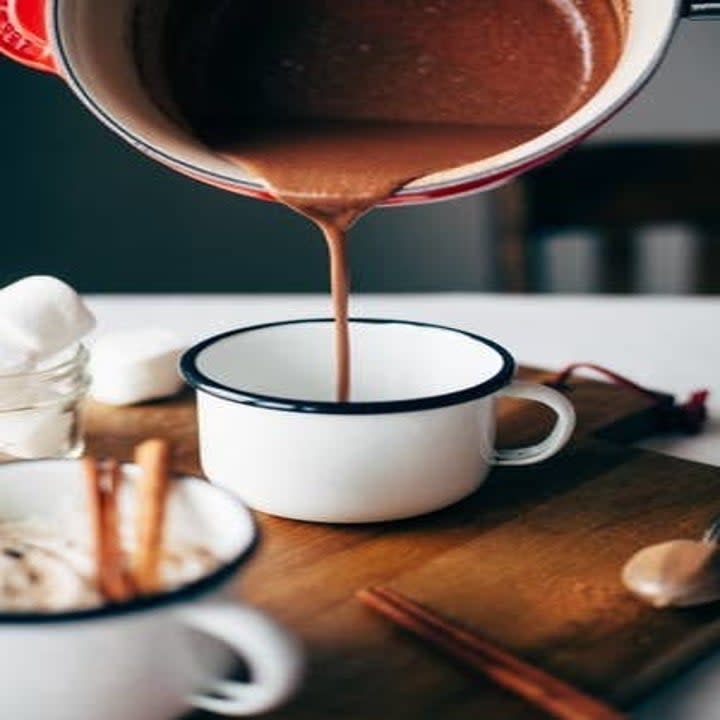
(572, 63)
(334, 106)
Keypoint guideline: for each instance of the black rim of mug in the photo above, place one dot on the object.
(200, 381)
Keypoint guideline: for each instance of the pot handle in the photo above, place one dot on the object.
(701, 9)
(23, 34)
(558, 437)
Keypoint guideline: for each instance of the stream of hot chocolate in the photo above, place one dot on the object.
(335, 105)
(351, 167)
(336, 238)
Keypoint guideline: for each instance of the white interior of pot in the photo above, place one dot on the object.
(93, 44)
(93, 47)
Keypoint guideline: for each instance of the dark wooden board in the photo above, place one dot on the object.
(532, 560)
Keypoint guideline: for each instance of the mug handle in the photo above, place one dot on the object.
(272, 655)
(23, 34)
(558, 437)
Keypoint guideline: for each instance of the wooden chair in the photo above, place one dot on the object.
(635, 209)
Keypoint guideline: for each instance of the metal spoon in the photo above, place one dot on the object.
(679, 573)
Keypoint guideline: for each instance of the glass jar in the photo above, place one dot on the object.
(40, 411)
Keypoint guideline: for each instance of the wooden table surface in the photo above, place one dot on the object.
(532, 560)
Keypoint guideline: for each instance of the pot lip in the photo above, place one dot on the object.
(189, 592)
(203, 383)
(409, 193)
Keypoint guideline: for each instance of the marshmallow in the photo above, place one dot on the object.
(135, 366)
(41, 315)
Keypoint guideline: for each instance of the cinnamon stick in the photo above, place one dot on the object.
(153, 458)
(551, 694)
(103, 483)
(116, 583)
(95, 511)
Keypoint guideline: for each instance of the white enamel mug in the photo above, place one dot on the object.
(145, 659)
(417, 436)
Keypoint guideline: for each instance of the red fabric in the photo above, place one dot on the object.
(688, 417)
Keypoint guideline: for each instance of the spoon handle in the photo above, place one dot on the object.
(700, 10)
(712, 534)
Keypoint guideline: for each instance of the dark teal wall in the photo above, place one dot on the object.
(77, 202)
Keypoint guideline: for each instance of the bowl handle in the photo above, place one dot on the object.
(23, 34)
(701, 9)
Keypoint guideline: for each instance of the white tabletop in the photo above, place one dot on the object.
(670, 344)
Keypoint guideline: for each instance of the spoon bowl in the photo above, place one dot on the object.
(677, 573)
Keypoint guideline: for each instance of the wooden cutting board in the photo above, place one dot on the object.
(532, 560)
